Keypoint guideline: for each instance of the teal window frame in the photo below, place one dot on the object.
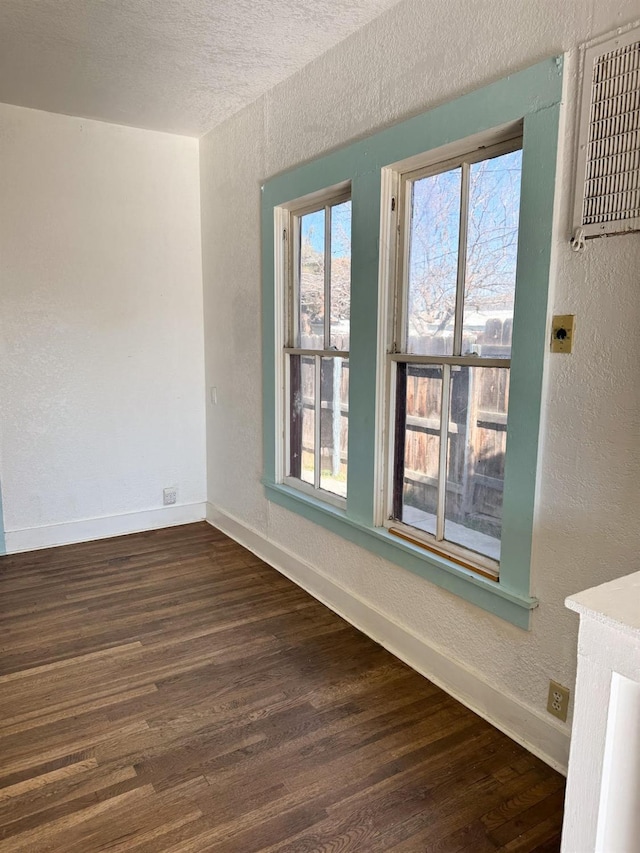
(532, 97)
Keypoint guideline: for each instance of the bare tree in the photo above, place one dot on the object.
(492, 229)
(312, 285)
(492, 232)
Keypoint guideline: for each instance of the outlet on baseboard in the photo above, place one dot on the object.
(169, 495)
(558, 701)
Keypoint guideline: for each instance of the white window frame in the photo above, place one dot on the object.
(287, 235)
(396, 183)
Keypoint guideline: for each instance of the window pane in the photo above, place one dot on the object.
(492, 245)
(476, 456)
(302, 418)
(420, 460)
(311, 282)
(433, 263)
(334, 425)
(340, 274)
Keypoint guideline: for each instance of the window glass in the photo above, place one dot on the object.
(433, 263)
(302, 417)
(334, 425)
(311, 281)
(492, 248)
(340, 275)
(477, 438)
(420, 460)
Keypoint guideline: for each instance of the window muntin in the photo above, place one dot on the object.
(317, 350)
(450, 359)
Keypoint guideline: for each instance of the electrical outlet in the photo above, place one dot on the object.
(558, 701)
(169, 495)
(562, 328)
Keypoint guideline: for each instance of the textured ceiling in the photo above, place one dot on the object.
(176, 65)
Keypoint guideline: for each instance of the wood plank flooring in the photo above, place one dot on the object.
(168, 692)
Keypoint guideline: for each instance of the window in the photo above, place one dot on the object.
(405, 330)
(316, 348)
(451, 354)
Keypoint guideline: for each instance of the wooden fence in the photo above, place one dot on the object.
(476, 443)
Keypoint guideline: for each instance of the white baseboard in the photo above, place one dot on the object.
(86, 530)
(520, 722)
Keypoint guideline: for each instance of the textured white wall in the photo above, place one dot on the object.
(165, 65)
(586, 532)
(101, 366)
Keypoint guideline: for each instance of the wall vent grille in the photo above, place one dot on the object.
(608, 174)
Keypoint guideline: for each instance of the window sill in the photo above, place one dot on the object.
(488, 594)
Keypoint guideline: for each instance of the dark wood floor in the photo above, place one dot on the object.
(170, 693)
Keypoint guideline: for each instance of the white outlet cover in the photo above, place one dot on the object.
(169, 495)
